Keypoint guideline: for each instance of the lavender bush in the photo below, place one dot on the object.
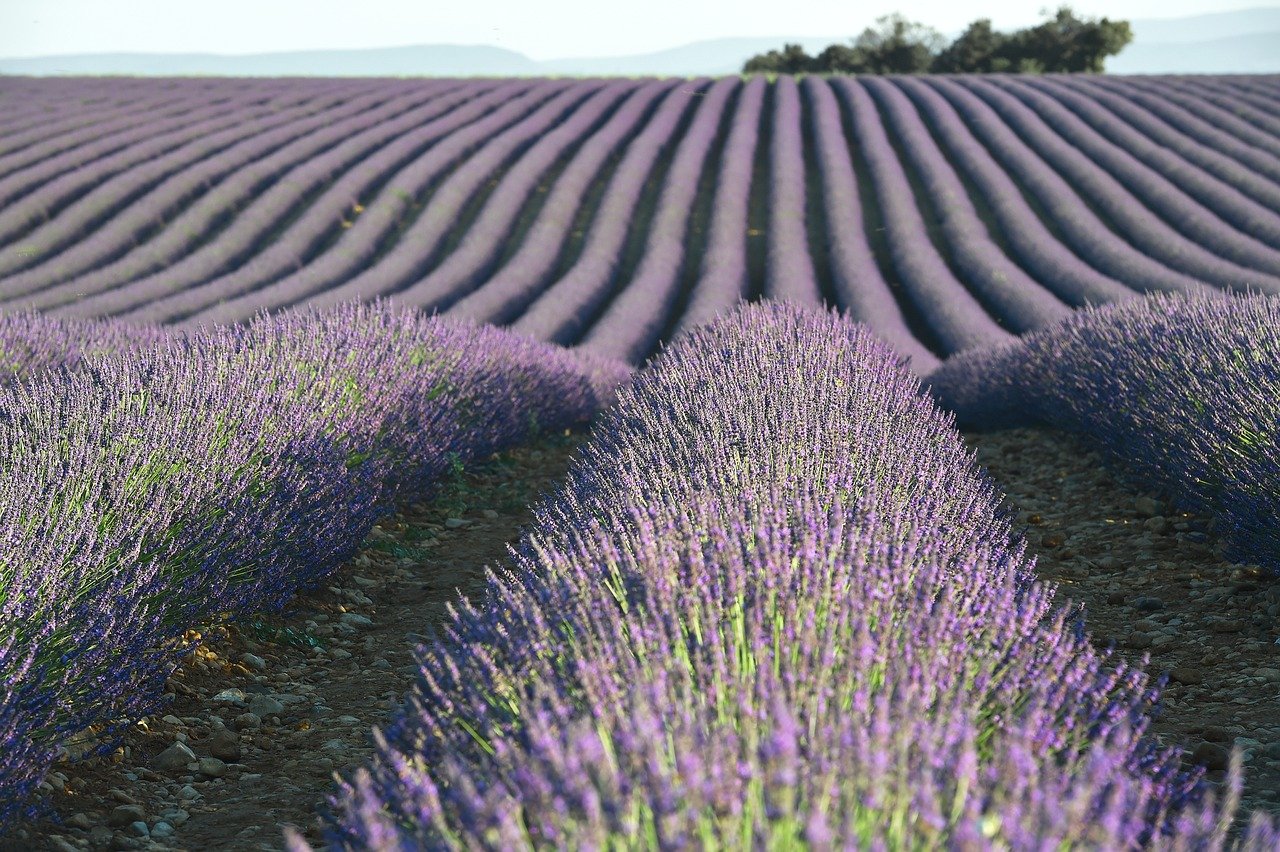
(774, 606)
(1183, 392)
(215, 474)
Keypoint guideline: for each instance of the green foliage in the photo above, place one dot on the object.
(1064, 43)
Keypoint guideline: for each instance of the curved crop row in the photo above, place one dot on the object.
(422, 241)
(59, 146)
(1142, 226)
(291, 269)
(775, 605)
(163, 278)
(1035, 245)
(864, 294)
(955, 316)
(145, 495)
(1065, 209)
(64, 210)
(58, 211)
(487, 237)
(231, 176)
(1151, 132)
(511, 287)
(632, 324)
(1192, 206)
(1019, 300)
(1203, 130)
(571, 302)
(949, 212)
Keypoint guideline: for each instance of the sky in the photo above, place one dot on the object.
(540, 29)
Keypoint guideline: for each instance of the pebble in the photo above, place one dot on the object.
(1211, 756)
(264, 705)
(1146, 506)
(212, 767)
(253, 661)
(234, 697)
(140, 828)
(126, 814)
(175, 816)
(175, 757)
(247, 721)
(224, 744)
(80, 821)
(162, 829)
(1186, 676)
(455, 523)
(189, 793)
(356, 620)
(490, 514)
(1148, 603)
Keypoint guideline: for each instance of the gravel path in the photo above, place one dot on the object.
(265, 712)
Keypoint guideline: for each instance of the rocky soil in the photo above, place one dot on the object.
(266, 711)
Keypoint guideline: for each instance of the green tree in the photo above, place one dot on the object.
(1066, 43)
(978, 50)
(792, 59)
(896, 46)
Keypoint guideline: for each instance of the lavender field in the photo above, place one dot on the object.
(775, 603)
(945, 212)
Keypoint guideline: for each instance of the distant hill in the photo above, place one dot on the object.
(1246, 41)
(431, 60)
(1243, 42)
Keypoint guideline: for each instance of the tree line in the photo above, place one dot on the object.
(1063, 43)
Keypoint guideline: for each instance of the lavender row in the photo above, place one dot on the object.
(1155, 136)
(861, 289)
(632, 324)
(1182, 393)
(31, 344)
(63, 210)
(1216, 112)
(294, 271)
(1064, 208)
(155, 283)
(1263, 119)
(789, 272)
(1017, 298)
(1206, 132)
(775, 605)
(518, 279)
(117, 252)
(573, 301)
(1038, 249)
(956, 318)
(82, 124)
(422, 241)
(722, 276)
(59, 146)
(1201, 207)
(1143, 227)
(603, 120)
(219, 472)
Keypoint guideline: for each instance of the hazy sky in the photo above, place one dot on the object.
(541, 29)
